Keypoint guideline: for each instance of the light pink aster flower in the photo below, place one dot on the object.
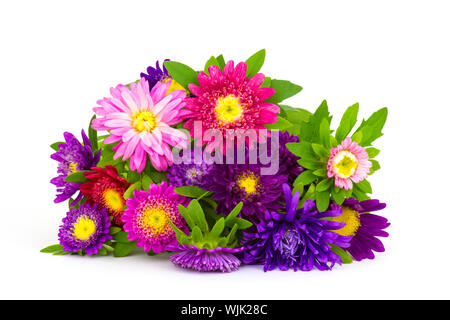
(141, 120)
(348, 162)
(229, 100)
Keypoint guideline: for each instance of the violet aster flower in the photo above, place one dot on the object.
(298, 239)
(72, 157)
(155, 75)
(363, 226)
(189, 174)
(217, 259)
(233, 183)
(86, 228)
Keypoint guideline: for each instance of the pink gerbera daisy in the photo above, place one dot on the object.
(148, 214)
(141, 121)
(348, 162)
(229, 100)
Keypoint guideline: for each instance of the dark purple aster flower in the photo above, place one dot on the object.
(363, 226)
(190, 174)
(233, 183)
(72, 156)
(86, 228)
(298, 239)
(155, 75)
(218, 259)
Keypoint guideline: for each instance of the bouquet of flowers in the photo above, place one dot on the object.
(211, 167)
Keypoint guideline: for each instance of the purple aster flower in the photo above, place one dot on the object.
(363, 226)
(233, 183)
(298, 239)
(154, 75)
(218, 259)
(86, 228)
(72, 157)
(189, 174)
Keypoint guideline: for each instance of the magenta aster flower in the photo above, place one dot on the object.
(140, 120)
(364, 226)
(229, 100)
(217, 259)
(86, 228)
(148, 214)
(348, 162)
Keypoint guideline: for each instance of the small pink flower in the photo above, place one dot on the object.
(348, 162)
(141, 121)
(229, 100)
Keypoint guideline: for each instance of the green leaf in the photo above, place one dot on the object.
(310, 164)
(243, 224)
(114, 230)
(124, 249)
(190, 191)
(281, 124)
(375, 166)
(348, 121)
(321, 172)
(220, 61)
(229, 220)
(372, 127)
(184, 213)
(52, 248)
(320, 150)
(359, 194)
(197, 235)
(322, 200)
(108, 248)
(181, 73)
(302, 149)
(121, 237)
(365, 186)
(345, 257)
(129, 192)
(309, 195)
(324, 185)
(324, 133)
(309, 131)
(93, 136)
(338, 195)
(255, 62)
(181, 236)
(217, 230)
(357, 137)
(283, 89)
(133, 176)
(266, 83)
(103, 251)
(54, 146)
(197, 214)
(305, 178)
(295, 115)
(230, 236)
(146, 182)
(372, 152)
(211, 62)
(77, 177)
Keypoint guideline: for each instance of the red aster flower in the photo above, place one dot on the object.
(106, 189)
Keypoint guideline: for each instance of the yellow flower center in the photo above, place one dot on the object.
(143, 121)
(73, 167)
(155, 219)
(248, 182)
(113, 200)
(228, 109)
(174, 86)
(83, 228)
(351, 219)
(344, 164)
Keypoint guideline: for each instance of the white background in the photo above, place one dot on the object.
(57, 58)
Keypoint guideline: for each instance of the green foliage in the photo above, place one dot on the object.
(255, 63)
(345, 257)
(181, 73)
(211, 62)
(223, 231)
(220, 61)
(92, 134)
(192, 192)
(372, 127)
(54, 146)
(281, 124)
(77, 177)
(52, 248)
(283, 89)
(129, 192)
(348, 121)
